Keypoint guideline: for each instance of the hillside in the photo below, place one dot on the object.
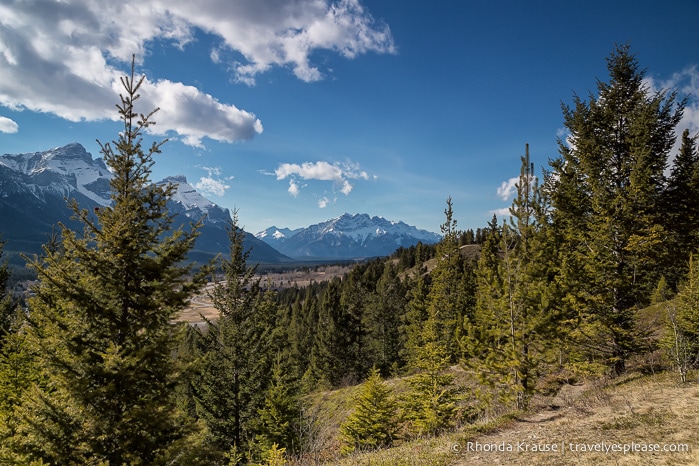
(635, 410)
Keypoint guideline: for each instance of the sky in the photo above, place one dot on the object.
(297, 111)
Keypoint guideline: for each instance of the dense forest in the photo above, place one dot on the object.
(95, 369)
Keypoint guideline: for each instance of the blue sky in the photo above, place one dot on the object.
(295, 112)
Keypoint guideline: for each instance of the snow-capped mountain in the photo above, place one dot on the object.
(346, 237)
(34, 186)
(67, 171)
(274, 236)
(189, 202)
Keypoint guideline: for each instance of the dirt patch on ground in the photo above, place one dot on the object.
(591, 424)
(301, 277)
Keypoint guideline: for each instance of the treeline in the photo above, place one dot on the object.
(96, 371)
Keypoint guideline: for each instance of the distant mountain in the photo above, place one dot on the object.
(34, 186)
(346, 237)
(275, 237)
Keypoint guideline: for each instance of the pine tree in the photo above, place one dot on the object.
(431, 403)
(682, 208)
(373, 421)
(99, 325)
(447, 297)
(237, 354)
(7, 304)
(382, 321)
(280, 412)
(606, 190)
(328, 360)
(414, 319)
(681, 340)
(515, 322)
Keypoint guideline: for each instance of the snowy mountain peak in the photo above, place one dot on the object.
(346, 236)
(62, 170)
(186, 194)
(193, 204)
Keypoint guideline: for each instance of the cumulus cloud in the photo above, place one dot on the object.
(339, 174)
(66, 58)
(686, 83)
(323, 202)
(508, 189)
(293, 188)
(8, 125)
(502, 212)
(207, 185)
(213, 184)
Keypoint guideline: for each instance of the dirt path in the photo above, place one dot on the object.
(586, 424)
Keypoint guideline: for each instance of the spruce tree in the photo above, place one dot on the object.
(414, 319)
(6, 302)
(373, 421)
(99, 326)
(327, 363)
(237, 352)
(382, 321)
(447, 300)
(431, 403)
(682, 208)
(279, 415)
(681, 339)
(606, 194)
(507, 338)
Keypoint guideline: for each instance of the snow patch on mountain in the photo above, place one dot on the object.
(62, 170)
(346, 236)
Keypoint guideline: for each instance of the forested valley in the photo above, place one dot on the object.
(95, 369)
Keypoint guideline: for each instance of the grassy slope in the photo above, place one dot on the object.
(635, 408)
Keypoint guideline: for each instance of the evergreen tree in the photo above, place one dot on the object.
(373, 421)
(7, 304)
(413, 321)
(237, 357)
(99, 327)
(682, 335)
(447, 297)
(430, 405)
(354, 299)
(606, 189)
(304, 319)
(682, 208)
(17, 374)
(513, 324)
(328, 361)
(279, 415)
(382, 321)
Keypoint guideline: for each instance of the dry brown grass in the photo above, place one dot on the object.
(636, 409)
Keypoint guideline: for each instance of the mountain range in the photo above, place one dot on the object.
(345, 237)
(34, 188)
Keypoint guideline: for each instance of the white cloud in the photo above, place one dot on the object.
(346, 188)
(508, 188)
(293, 188)
(338, 173)
(66, 58)
(686, 83)
(213, 186)
(195, 115)
(8, 126)
(323, 202)
(503, 212)
(212, 183)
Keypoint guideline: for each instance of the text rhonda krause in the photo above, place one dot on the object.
(562, 447)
